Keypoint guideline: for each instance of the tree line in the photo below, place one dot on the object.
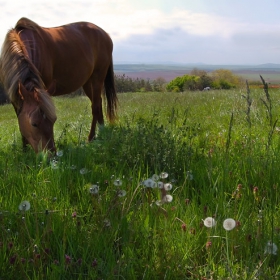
(124, 83)
(196, 80)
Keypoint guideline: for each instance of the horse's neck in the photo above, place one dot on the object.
(30, 42)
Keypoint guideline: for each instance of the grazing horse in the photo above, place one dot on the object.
(37, 63)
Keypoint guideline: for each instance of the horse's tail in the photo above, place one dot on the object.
(111, 95)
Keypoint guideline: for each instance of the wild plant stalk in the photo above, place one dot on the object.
(268, 104)
(249, 104)
(229, 133)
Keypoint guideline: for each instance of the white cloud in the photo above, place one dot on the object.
(149, 33)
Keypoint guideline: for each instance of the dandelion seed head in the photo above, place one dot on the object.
(84, 171)
(121, 193)
(163, 175)
(118, 182)
(168, 187)
(271, 248)
(155, 177)
(160, 185)
(54, 164)
(168, 198)
(159, 202)
(107, 223)
(189, 175)
(59, 153)
(149, 183)
(94, 189)
(229, 224)
(24, 205)
(209, 222)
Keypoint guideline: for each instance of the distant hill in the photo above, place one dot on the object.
(270, 71)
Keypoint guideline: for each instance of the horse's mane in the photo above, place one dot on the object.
(16, 67)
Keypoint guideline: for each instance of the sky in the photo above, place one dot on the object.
(219, 32)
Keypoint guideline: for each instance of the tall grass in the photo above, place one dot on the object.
(92, 216)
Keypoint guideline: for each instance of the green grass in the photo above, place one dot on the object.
(222, 161)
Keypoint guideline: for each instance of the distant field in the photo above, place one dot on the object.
(271, 73)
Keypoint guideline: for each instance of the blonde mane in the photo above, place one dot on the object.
(15, 67)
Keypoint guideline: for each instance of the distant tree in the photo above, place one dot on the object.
(148, 86)
(205, 79)
(192, 83)
(177, 84)
(186, 82)
(225, 79)
(198, 72)
(159, 84)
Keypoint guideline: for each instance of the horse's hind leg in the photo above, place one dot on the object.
(93, 90)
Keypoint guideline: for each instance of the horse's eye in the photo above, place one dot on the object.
(34, 124)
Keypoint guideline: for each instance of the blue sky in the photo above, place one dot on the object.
(159, 31)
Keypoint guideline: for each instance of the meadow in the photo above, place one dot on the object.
(183, 186)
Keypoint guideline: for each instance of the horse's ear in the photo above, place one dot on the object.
(22, 91)
(51, 89)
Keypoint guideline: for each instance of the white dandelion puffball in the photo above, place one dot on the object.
(83, 171)
(149, 183)
(209, 222)
(107, 223)
(160, 185)
(121, 193)
(155, 177)
(167, 198)
(54, 164)
(229, 224)
(270, 248)
(59, 153)
(168, 187)
(118, 182)
(94, 189)
(24, 205)
(189, 175)
(163, 175)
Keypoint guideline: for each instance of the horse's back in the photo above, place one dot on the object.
(68, 53)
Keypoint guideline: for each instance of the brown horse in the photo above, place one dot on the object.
(38, 62)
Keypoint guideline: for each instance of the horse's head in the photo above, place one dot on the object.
(36, 118)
